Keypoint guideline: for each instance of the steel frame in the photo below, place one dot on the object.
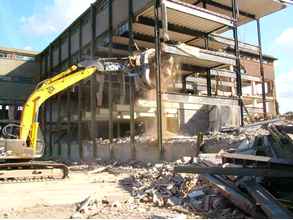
(80, 97)
(198, 12)
(110, 94)
(59, 96)
(158, 78)
(262, 73)
(93, 82)
(47, 56)
(131, 80)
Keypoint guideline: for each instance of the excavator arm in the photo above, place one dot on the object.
(29, 124)
(29, 121)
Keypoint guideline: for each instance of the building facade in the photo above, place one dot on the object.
(220, 82)
(19, 73)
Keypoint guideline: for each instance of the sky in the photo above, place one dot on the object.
(33, 24)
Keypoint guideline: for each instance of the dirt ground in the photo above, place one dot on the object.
(59, 199)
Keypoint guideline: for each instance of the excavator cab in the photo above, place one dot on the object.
(13, 148)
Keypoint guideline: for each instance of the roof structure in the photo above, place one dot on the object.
(216, 19)
(19, 51)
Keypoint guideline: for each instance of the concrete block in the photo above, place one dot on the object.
(74, 148)
(88, 151)
(147, 153)
(173, 151)
(104, 151)
(122, 152)
(64, 151)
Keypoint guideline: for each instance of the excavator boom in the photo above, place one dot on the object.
(29, 120)
(26, 145)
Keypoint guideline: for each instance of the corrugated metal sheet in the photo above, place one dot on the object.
(125, 41)
(188, 20)
(148, 30)
(102, 21)
(55, 56)
(192, 21)
(86, 33)
(258, 8)
(64, 49)
(74, 42)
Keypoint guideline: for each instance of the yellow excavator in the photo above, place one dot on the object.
(18, 154)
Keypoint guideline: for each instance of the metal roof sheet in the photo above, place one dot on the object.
(190, 16)
(253, 8)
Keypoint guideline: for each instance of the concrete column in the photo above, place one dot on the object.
(254, 103)
(253, 88)
(11, 112)
(233, 90)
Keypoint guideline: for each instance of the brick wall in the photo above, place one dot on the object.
(253, 68)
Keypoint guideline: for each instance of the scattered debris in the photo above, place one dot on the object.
(250, 176)
(183, 193)
(103, 168)
(263, 156)
(214, 183)
(86, 208)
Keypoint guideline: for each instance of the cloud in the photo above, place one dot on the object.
(283, 46)
(53, 18)
(28, 48)
(284, 84)
(286, 39)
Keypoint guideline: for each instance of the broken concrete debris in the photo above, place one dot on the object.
(218, 186)
(196, 194)
(87, 207)
(185, 193)
(214, 184)
(264, 156)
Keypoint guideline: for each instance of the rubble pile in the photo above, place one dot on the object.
(231, 139)
(256, 175)
(251, 159)
(249, 174)
(148, 139)
(184, 193)
(288, 116)
(91, 207)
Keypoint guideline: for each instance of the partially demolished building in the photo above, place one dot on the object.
(218, 82)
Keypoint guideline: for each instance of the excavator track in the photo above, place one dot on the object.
(32, 171)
